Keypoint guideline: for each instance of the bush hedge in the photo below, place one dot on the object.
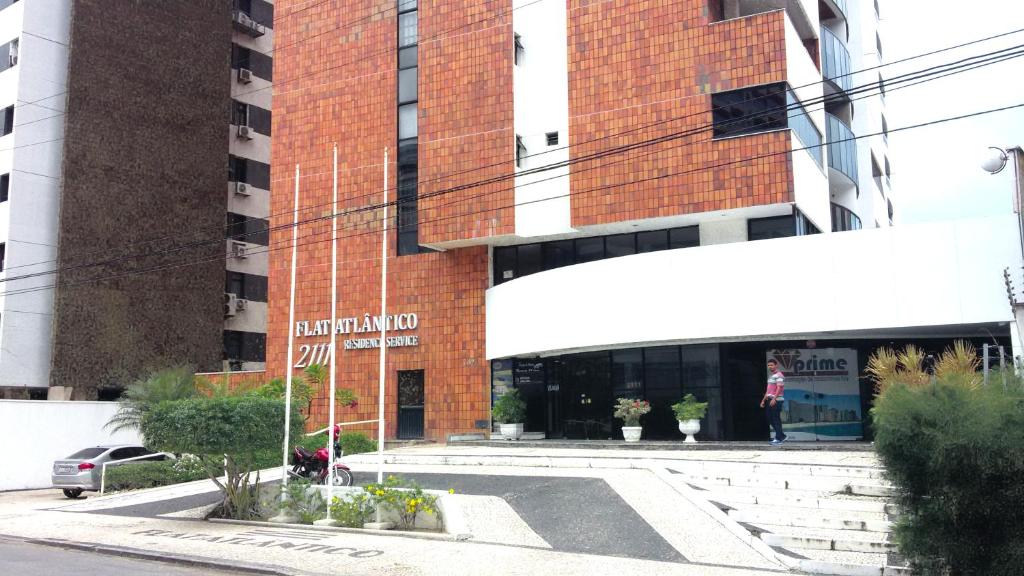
(139, 475)
(956, 458)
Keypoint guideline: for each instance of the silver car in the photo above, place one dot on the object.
(81, 471)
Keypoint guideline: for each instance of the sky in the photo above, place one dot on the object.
(936, 171)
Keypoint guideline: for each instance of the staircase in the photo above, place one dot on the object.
(819, 519)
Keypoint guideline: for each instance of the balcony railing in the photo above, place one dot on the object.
(844, 219)
(842, 148)
(835, 61)
(244, 23)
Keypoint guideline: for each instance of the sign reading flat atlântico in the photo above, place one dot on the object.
(357, 325)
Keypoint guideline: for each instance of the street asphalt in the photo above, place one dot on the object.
(24, 559)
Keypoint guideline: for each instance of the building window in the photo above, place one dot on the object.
(407, 29)
(885, 128)
(512, 262)
(804, 226)
(407, 85)
(519, 50)
(5, 187)
(768, 228)
(878, 44)
(247, 286)
(881, 85)
(804, 128)
(749, 110)
(8, 120)
(552, 138)
(844, 220)
(239, 113)
(520, 151)
(3, 255)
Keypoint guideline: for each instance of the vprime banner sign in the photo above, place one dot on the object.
(354, 326)
(822, 393)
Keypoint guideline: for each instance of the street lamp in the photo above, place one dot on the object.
(995, 164)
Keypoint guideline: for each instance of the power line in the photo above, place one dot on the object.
(653, 178)
(895, 84)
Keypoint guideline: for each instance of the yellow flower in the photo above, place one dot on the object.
(451, 490)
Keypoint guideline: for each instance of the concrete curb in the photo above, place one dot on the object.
(167, 558)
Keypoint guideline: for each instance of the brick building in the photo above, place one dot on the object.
(594, 200)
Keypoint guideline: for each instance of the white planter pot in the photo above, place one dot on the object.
(689, 427)
(632, 433)
(511, 431)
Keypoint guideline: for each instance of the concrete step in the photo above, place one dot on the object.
(811, 484)
(844, 563)
(872, 489)
(807, 518)
(796, 543)
(715, 467)
(738, 496)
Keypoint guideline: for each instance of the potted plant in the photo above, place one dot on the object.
(630, 410)
(510, 411)
(689, 412)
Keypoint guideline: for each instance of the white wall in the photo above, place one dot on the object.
(540, 86)
(36, 433)
(810, 185)
(940, 274)
(33, 156)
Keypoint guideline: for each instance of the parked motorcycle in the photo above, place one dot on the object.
(314, 466)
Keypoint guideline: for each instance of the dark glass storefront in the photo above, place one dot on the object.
(573, 396)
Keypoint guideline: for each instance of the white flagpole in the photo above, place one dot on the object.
(291, 337)
(383, 326)
(334, 331)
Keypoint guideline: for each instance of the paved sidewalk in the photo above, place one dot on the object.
(620, 491)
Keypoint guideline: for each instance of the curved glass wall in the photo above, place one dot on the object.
(842, 148)
(844, 219)
(835, 60)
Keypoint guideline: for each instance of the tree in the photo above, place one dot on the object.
(163, 385)
(228, 434)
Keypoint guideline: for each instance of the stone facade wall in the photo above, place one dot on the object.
(145, 158)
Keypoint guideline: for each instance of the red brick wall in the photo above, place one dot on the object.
(340, 88)
(466, 113)
(633, 64)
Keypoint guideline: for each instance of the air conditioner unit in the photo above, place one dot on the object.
(242, 189)
(230, 304)
(241, 304)
(245, 133)
(244, 75)
(238, 250)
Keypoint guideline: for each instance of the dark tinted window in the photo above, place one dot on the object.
(558, 254)
(531, 259)
(749, 110)
(651, 241)
(246, 229)
(122, 453)
(504, 263)
(247, 346)
(8, 121)
(260, 64)
(620, 245)
(247, 286)
(589, 249)
(765, 228)
(408, 215)
(688, 237)
(5, 187)
(87, 454)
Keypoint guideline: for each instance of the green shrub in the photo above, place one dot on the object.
(233, 432)
(510, 408)
(139, 475)
(405, 498)
(689, 409)
(353, 509)
(956, 458)
(300, 502)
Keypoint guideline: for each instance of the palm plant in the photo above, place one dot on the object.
(142, 395)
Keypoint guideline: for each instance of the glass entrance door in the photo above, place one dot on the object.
(587, 396)
(410, 404)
